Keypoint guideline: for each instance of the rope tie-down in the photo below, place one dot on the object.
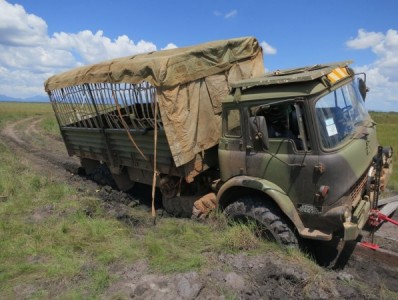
(155, 171)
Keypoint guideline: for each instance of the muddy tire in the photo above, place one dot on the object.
(97, 172)
(272, 223)
(180, 206)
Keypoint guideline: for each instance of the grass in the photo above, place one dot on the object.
(387, 126)
(47, 239)
(12, 111)
(50, 125)
(46, 236)
(57, 243)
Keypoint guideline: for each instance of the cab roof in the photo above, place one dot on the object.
(333, 72)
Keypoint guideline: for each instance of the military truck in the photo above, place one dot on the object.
(294, 150)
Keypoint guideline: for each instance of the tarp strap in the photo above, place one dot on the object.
(126, 126)
(155, 172)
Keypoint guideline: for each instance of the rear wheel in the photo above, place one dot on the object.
(98, 172)
(273, 225)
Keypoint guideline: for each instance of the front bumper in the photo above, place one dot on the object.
(358, 220)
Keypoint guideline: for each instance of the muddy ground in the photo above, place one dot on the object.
(232, 276)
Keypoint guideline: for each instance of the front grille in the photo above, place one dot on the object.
(357, 189)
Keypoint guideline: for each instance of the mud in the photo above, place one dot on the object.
(237, 276)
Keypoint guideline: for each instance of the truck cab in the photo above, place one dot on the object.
(301, 144)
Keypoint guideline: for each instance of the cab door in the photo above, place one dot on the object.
(232, 146)
(289, 162)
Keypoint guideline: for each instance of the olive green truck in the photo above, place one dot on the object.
(294, 150)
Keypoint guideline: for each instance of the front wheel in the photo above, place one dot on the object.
(272, 223)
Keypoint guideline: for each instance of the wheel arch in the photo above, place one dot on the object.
(238, 186)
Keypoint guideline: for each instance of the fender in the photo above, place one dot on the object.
(274, 192)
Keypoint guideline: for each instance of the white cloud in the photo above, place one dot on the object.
(96, 47)
(365, 39)
(227, 15)
(382, 74)
(170, 46)
(22, 83)
(18, 28)
(231, 14)
(35, 59)
(28, 55)
(267, 48)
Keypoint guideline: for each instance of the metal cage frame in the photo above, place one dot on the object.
(97, 105)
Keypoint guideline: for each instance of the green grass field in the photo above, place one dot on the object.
(51, 245)
(387, 127)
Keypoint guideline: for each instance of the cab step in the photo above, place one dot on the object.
(314, 234)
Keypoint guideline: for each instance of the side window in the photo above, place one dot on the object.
(233, 127)
(283, 122)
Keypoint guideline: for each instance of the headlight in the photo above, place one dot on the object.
(347, 214)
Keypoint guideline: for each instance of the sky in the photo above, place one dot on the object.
(39, 38)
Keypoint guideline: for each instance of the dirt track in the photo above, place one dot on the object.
(248, 277)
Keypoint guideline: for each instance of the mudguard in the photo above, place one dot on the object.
(274, 192)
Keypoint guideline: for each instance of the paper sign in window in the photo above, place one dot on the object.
(330, 127)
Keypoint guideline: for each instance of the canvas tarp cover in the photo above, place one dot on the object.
(190, 84)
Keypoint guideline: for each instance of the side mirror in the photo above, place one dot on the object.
(362, 88)
(259, 131)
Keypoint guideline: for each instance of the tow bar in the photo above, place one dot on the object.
(376, 253)
(375, 219)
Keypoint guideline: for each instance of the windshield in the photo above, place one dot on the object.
(339, 113)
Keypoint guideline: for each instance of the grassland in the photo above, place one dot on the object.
(387, 127)
(52, 248)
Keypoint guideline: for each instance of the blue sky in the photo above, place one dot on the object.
(41, 37)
